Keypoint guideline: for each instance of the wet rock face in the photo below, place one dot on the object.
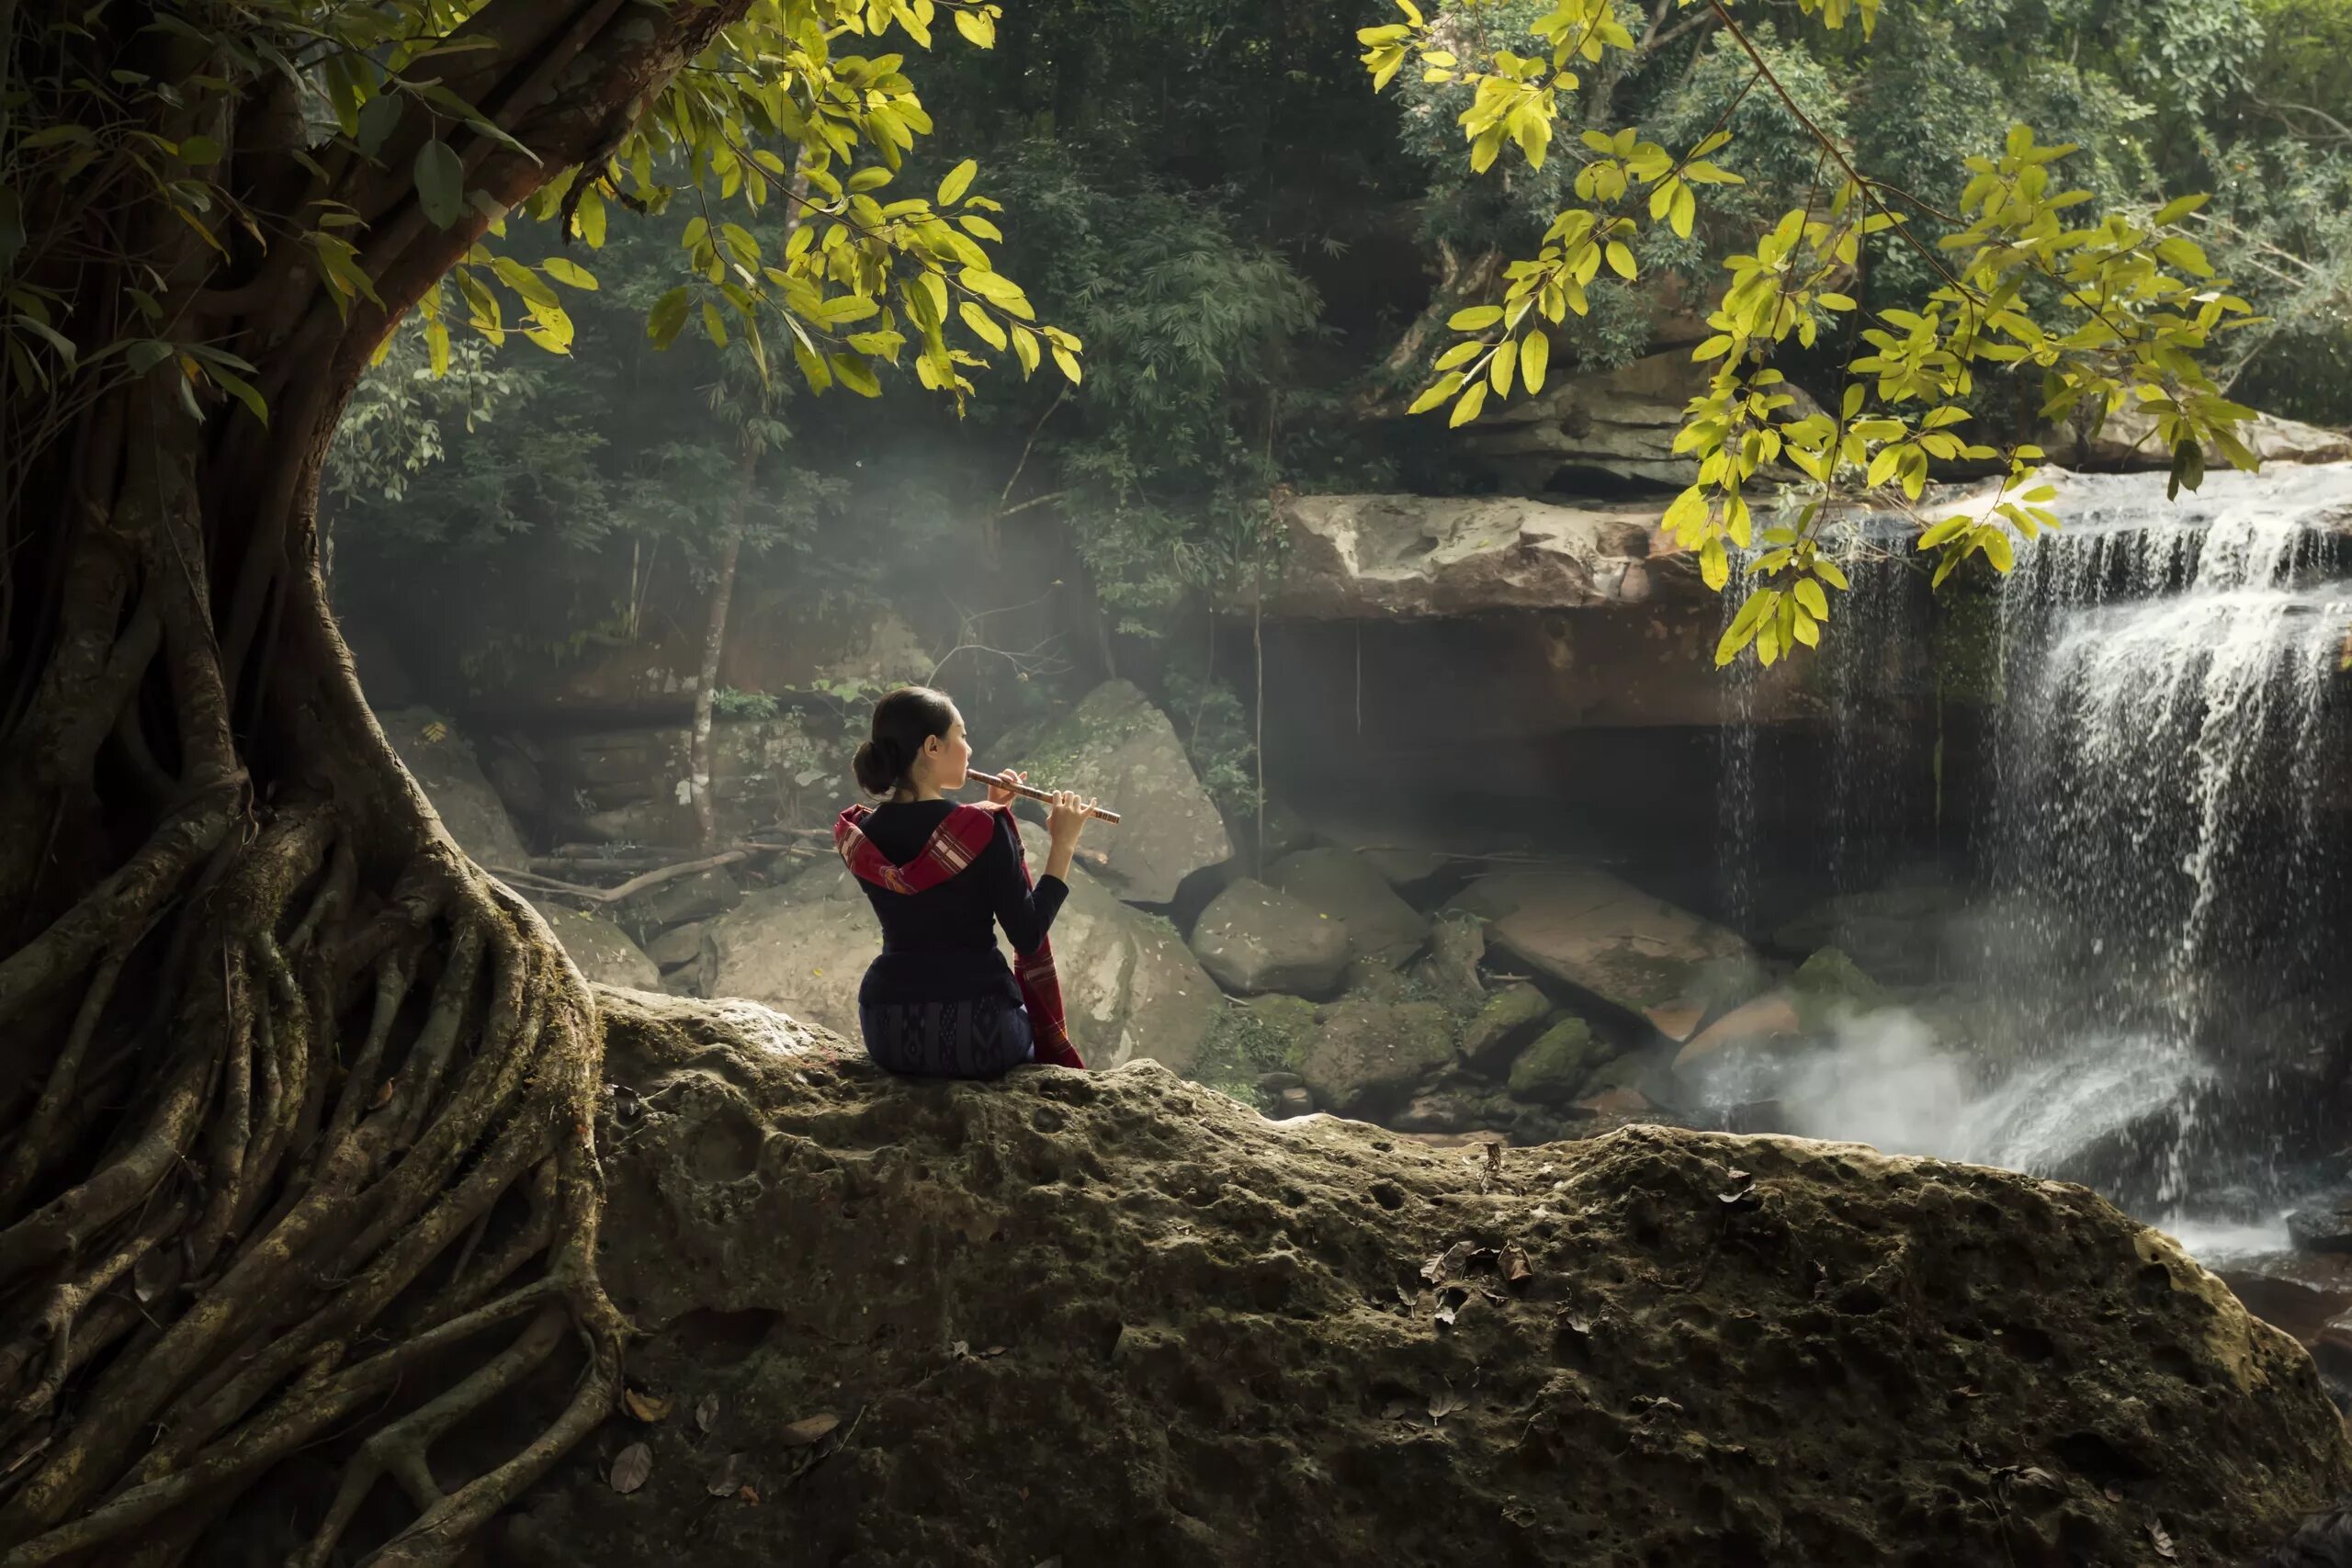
(1112, 1318)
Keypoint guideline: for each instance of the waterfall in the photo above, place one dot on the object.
(2162, 779)
(2144, 893)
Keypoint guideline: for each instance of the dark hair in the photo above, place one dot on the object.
(902, 722)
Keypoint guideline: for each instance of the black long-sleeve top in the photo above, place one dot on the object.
(938, 945)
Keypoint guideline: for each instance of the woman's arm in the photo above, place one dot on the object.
(1025, 914)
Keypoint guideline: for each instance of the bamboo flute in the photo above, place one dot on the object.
(1031, 792)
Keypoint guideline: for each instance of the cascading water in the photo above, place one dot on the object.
(2150, 909)
(2171, 671)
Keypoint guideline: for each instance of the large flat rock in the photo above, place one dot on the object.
(1581, 925)
(1114, 1318)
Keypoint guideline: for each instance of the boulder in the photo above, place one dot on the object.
(2127, 439)
(1769, 1024)
(1509, 1019)
(1254, 937)
(1582, 926)
(1117, 1288)
(2322, 1227)
(695, 896)
(600, 949)
(1119, 748)
(1830, 985)
(1376, 556)
(1338, 884)
(2301, 1292)
(678, 946)
(1450, 968)
(1251, 1048)
(1557, 1064)
(1129, 985)
(443, 764)
(1366, 1055)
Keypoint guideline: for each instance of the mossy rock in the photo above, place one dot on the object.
(1510, 1018)
(1552, 1069)
(1829, 983)
(1368, 1056)
(1247, 1040)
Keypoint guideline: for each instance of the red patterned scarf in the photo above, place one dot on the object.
(957, 844)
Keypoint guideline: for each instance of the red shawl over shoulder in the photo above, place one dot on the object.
(957, 844)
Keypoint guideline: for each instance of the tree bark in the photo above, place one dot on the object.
(296, 1104)
(714, 643)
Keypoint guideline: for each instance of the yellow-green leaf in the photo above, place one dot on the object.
(1467, 408)
(958, 181)
(1534, 355)
(982, 325)
(1499, 368)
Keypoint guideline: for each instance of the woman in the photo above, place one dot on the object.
(939, 1001)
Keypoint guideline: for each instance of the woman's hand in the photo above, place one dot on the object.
(1064, 820)
(1000, 794)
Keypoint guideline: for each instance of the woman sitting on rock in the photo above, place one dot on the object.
(939, 1001)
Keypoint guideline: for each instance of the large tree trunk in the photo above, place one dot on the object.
(296, 1104)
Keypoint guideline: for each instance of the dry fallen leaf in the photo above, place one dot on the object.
(705, 1411)
(147, 1275)
(1515, 1266)
(1447, 1264)
(2161, 1542)
(631, 1467)
(1445, 1404)
(747, 1492)
(724, 1483)
(646, 1407)
(808, 1429)
(383, 1097)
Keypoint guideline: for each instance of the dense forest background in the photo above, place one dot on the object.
(1255, 249)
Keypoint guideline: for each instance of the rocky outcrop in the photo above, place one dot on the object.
(1114, 1318)
(1599, 425)
(1254, 937)
(1117, 748)
(1340, 887)
(1128, 983)
(1357, 557)
(1582, 926)
(2127, 440)
(444, 765)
